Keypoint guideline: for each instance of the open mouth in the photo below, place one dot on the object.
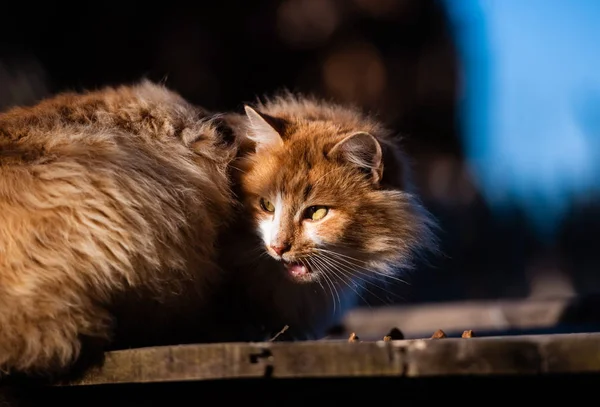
(298, 271)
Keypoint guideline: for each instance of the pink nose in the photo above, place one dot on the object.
(280, 249)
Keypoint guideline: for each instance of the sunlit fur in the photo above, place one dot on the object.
(374, 228)
(104, 194)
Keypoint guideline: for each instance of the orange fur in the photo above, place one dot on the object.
(312, 153)
(104, 196)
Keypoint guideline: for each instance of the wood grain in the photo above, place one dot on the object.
(516, 355)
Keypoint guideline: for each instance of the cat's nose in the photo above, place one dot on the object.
(280, 248)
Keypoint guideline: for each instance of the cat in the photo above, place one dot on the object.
(112, 203)
(329, 208)
(109, 199)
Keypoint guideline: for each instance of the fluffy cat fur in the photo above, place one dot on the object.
(107, 198)
(307, 155)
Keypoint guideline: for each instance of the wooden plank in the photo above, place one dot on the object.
(241, 360)
(515, 355)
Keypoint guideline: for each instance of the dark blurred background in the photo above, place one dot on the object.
(395, 57)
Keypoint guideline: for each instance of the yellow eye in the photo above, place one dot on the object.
(266, 205)
(316, 212)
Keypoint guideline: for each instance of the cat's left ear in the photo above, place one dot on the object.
(363, 150)
(265, 130)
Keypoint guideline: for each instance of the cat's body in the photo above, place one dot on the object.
(106, 199)
(329, 210)
(111, 203)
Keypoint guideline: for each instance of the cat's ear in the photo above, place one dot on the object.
(363, 150)
(265, 130)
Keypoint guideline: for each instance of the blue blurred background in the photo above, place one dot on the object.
(497, 100)
(530, 113)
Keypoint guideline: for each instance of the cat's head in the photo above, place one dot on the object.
(321, 201)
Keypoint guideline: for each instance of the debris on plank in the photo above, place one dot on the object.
(439, 334)
(285, 328)
(468, 334)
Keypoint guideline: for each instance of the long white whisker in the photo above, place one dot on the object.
(349, 260)
(327, 277)
(238, 169)
(343, 255)
(307, 265)
(333, 281)
(329, 284)
(332, 270)
(334, 289)
(353, 272)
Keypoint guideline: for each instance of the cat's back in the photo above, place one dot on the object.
(105, 190)
(109, 200)
(144, 112)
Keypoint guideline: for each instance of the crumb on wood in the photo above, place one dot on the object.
(468, 334)
(438, 334)
(353, 338)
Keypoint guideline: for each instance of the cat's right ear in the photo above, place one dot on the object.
(362, 150)
(265, 130)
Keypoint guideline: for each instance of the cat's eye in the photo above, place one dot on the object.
(316, 212)
(266, 206)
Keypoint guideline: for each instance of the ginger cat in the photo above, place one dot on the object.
(112, 203)
(329, 208)
(107, 198)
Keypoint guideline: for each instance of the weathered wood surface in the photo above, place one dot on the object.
(513, 355)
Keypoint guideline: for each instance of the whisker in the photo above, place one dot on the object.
(238, 169)
(329, 284)
(305, 264)
(343, 255)
(353, 273)
(369, 271)
(349, 259)
(333, 285)
(336, 276)
(256, 249)
(335, 290)
(256, 253)
(262, 255)
(329, 267)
